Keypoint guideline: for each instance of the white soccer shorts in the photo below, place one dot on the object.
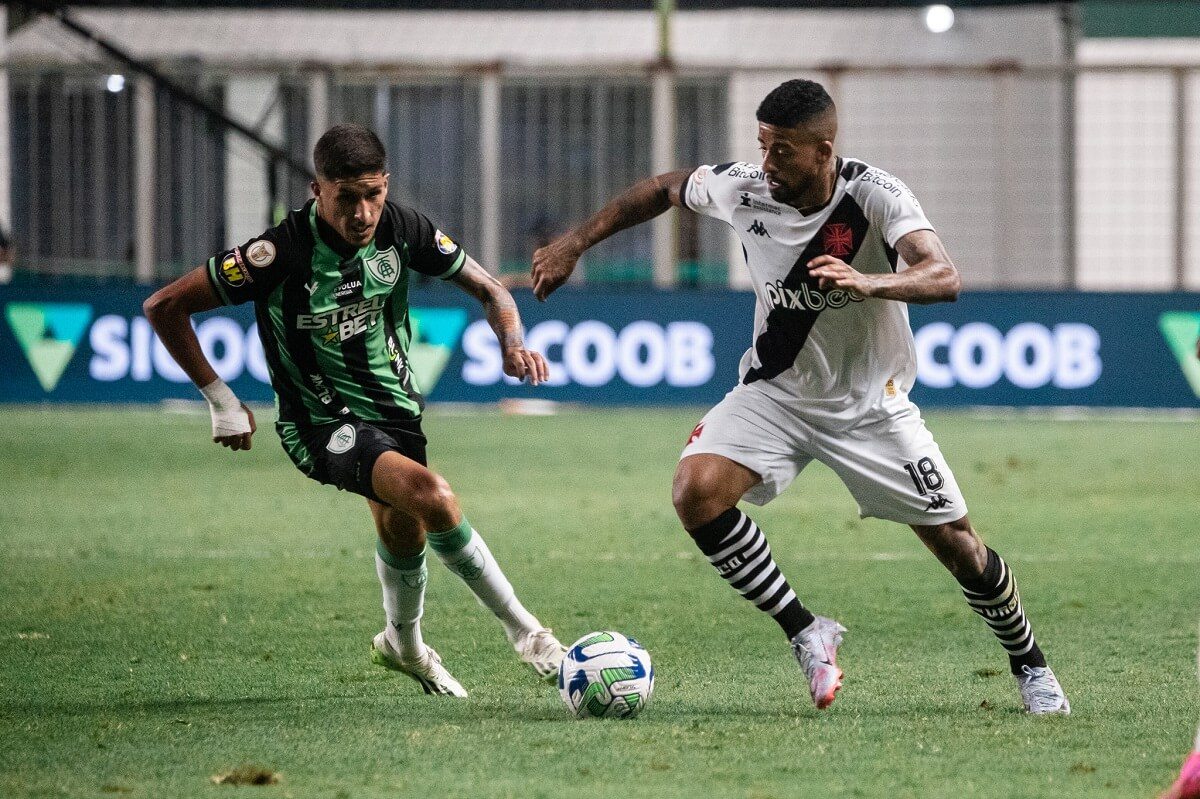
(892, 466)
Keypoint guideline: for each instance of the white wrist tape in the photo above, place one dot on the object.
(228, 418)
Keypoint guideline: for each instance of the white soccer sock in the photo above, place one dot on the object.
(466, 554)
(403, 600)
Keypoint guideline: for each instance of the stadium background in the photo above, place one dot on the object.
(1055, 146)
(172, 610)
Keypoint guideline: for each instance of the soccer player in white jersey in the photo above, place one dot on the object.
(828, 374)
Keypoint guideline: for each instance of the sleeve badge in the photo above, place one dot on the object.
(232, 271)
(260, 253)
(444, 244)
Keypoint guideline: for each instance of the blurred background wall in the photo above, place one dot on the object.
(1053, 146)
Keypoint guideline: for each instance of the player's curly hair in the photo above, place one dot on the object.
(794, 102)
(347, 151)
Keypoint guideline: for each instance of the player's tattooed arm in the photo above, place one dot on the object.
(642, 201)
(930, 277)
(505, 321)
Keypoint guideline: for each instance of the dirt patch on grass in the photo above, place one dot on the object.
(247, 775)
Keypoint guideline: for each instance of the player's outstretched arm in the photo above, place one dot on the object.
(642, 201)
(930, 277)
(169, 311)
(505, 322)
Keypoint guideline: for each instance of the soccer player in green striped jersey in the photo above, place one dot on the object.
(330, 290)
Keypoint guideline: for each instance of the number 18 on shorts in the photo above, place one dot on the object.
(891, 465)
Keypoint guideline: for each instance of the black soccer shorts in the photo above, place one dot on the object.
(344, 453)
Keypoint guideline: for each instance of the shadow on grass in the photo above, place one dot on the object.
(447, 710)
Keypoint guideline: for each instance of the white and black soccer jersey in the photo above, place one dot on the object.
(839, 358)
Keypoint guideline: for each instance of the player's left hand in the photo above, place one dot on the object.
(521, 363)
(837, 274)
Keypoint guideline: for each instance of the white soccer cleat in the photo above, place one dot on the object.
(426, 669)
(1040, 691)
(815, 647)
(542, 652)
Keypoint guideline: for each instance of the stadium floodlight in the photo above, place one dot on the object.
(115, 83)
(939, 18)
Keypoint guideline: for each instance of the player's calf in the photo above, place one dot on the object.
(991, 591)
(465, 553)
(741, 555)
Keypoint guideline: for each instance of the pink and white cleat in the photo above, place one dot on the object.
(815, 648)
(1188, 784)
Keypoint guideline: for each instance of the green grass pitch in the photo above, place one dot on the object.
(172, 610)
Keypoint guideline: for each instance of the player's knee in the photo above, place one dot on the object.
(434, 503)
(695, 501)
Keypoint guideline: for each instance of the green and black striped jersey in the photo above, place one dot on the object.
(334, 320)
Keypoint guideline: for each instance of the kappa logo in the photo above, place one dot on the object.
(758, 229)
(937, 502)
(838, 239)
(49, 333)
(342, 440)
(1181, 330)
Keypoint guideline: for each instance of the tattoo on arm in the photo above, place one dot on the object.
(920, 246)
(498, 305)
(639, 203)
(931, 276)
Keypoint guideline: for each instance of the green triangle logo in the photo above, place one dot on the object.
(435, 334)
(1181, 329)
(48, 333)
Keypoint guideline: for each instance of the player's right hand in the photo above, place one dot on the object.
(522, 363)
(553, 264)
(233, 428)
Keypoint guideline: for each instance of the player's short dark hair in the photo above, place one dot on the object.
(793, 103)
(347, 151)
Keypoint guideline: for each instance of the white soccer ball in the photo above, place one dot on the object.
(606, 674)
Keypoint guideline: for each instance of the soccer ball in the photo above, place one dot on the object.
(606, 675)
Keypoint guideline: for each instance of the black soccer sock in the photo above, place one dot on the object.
(739, 551)
(994, 596)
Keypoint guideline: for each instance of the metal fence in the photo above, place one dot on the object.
(1035, 177)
